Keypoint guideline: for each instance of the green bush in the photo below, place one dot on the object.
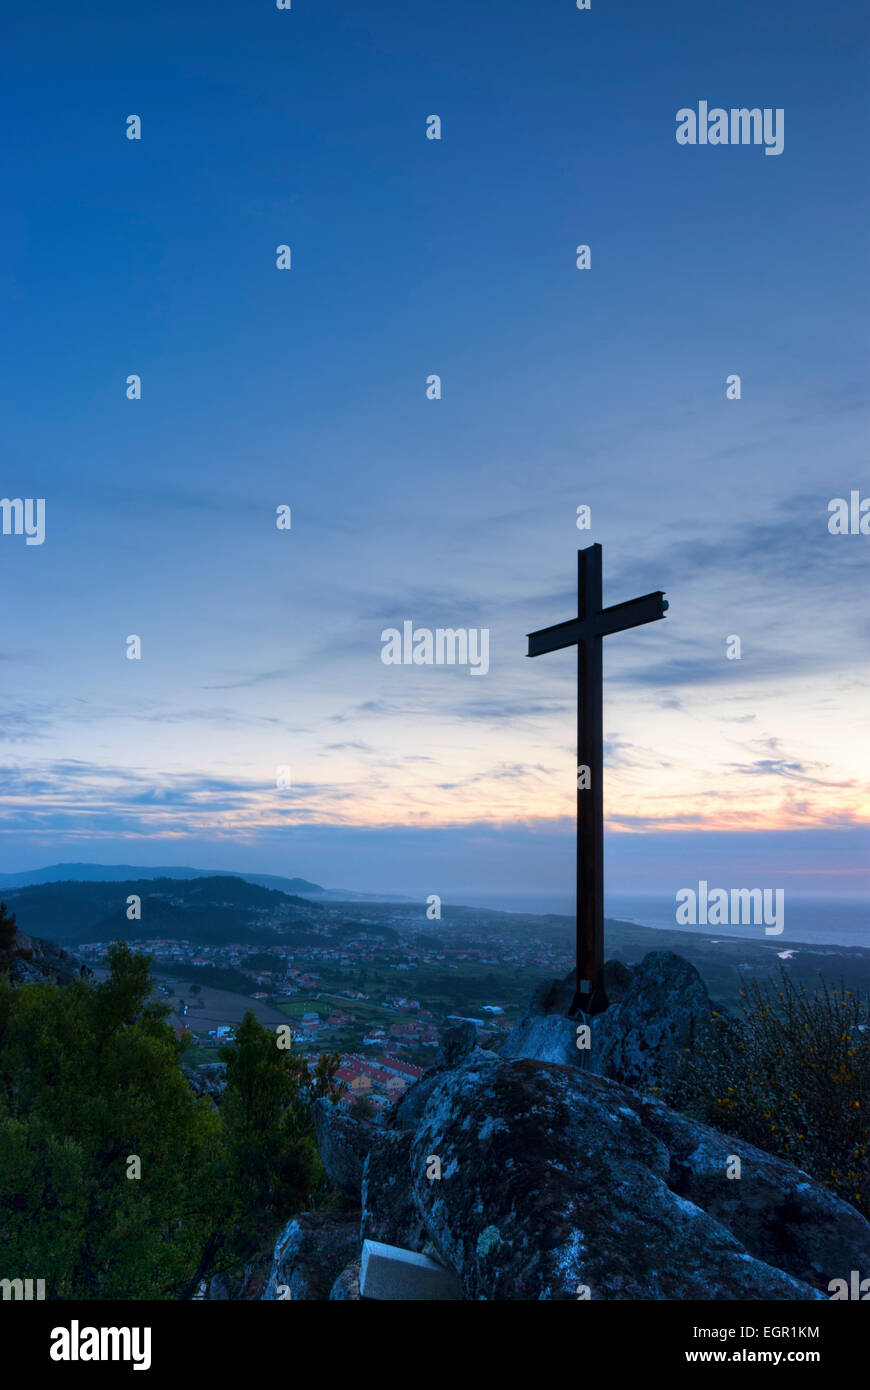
(792, 1076)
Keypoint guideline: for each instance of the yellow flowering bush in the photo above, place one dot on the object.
(791, 1076)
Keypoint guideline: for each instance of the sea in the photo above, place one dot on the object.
(830, 921)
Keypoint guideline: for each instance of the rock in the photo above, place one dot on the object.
(456, 1043)
(206, 1080)
(32, 960)
(643, 1040)
(390, 1215)
(774, 1209)
(657, 1012)
(406, 1111)
(310, 1253)
(346, 1286)
(248, 1286)
(617, 978)
(544, 1038)
(554, 996)
(545, 1033)
(557, 996)
(343, 1144)
(555, 1178)
(23, 945)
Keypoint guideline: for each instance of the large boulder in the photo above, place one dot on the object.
(555, 1181)
(557, 996)
(310, 1254)
(389, 1213)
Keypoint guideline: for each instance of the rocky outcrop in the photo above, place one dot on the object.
(664, 1012)
(555, 1180)
(556, 996)
(773, 1209)
(32, 961)
(556, 1183)
(537, 1179)
(310, 1254)
(658, 1012)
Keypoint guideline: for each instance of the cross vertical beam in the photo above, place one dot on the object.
(589, 996)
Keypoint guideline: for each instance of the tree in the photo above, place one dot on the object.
(89, 1077)
(266, 1109)
(8, 928)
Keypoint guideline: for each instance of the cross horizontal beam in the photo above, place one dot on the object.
(620, 616)
(551, 639)
(634, 613)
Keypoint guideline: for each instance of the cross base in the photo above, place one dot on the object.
(588, 999)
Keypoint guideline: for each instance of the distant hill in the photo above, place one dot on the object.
(217, 908)
(113, 873)
(213, 909)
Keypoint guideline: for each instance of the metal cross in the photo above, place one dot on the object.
(586, 631)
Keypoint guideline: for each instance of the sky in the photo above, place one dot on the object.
(260, 388)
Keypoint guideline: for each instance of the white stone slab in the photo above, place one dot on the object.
(388, 1272)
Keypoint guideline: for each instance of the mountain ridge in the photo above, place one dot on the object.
(84, 872)
(214, 907)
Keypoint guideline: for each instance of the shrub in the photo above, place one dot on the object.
(792, 1076)
(362, 1108)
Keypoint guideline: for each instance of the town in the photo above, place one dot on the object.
(368, 982)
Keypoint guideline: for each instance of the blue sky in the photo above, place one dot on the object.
(561, 387)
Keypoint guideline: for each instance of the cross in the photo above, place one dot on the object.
(585, 632)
